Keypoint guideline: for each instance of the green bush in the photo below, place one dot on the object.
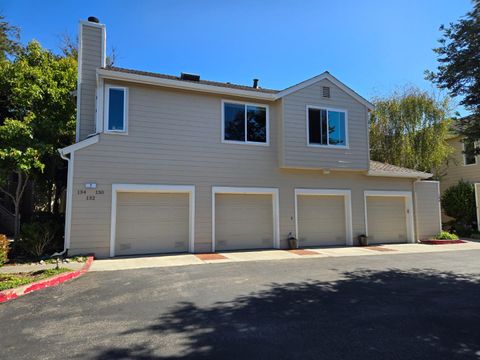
(36, 237)
(4, 248)
(445, 235)
(458, 202)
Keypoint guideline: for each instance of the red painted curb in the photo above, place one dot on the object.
(14, 293)
(441, 242)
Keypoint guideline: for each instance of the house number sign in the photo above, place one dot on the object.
(90, 194)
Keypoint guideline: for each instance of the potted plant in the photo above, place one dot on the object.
(363, 240)
(292, 241)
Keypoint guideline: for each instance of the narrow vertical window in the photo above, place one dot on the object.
(469, 157)
(116, 109)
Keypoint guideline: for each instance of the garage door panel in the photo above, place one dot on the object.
(152, 223)
(387, 221)
(321, 220)
(243, 221)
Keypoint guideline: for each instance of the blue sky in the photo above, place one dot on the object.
(374, 46)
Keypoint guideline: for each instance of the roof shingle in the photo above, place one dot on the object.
(379, 169)
(205, 82)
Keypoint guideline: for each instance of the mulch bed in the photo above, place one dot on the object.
(441, 242)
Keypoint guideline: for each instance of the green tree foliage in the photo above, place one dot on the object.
(459, 69)
(409, 129)
(458, 202)
(37, 118)
(9, 39)
(19, 157)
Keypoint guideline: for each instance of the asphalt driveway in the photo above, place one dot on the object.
(415, 306)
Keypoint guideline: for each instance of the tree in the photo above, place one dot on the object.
(459, 69)
(18, 156)
(409, 129)
(458, 202)
(38, 87)
(9, 39)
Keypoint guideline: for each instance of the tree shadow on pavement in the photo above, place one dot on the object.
(394, 314)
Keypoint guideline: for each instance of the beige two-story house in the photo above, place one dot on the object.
(460, 166)
(169, 163)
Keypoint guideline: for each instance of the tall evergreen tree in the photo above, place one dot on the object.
(459, 69)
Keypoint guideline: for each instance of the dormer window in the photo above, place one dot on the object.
(326, 127)
(116, 109)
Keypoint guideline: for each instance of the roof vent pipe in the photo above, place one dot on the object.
(93, 19)
(255, 83)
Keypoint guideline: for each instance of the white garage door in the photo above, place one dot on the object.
(386, 218)
(321, 220)
(243, 221)
(151, 223)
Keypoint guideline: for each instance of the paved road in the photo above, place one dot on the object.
(418, 306)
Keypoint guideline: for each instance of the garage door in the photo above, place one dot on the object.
(321, 220)
(243, 221)
(151, 223)
(386, 218)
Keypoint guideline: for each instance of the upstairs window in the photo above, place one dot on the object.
(245, 123)
(469, 159)
(326, 127)
(116, 109)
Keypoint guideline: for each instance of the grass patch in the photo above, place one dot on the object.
(9, 281)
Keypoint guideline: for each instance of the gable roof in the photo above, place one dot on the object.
(117, 73)
(387, 170)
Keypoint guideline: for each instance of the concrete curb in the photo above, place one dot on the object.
(14, 293)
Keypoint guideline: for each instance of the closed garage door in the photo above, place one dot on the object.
(151, 223)
(386, 218)
(243, 221)
(321, 220)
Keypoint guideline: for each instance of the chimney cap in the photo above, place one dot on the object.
(93, 19)
(255, 83)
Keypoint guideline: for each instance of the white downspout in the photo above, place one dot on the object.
(68, 201)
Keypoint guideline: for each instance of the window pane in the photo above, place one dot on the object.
(257, 124)
(336, 128)
(324, 128)
(314, 126)
(469, 159)
(234, 127)
(115, 109)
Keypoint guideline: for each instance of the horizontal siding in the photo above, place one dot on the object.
(91, 46)
(297, 154)
(456, 169)
(181, 145)
(427, 209)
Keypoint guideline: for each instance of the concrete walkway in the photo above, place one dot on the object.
(140, 262)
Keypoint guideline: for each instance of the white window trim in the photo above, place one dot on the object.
(346, 146)
(125, 110)
(465, 156)
(347, 196)
(147, 188)
(246, 142)
(250, 191)
(409, 209)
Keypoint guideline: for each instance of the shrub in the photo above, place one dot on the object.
(36, 237)
(458, 202)
(445, 235)
(4, 248)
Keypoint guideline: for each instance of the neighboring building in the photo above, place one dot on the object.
(460, 166)
(179, 164)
